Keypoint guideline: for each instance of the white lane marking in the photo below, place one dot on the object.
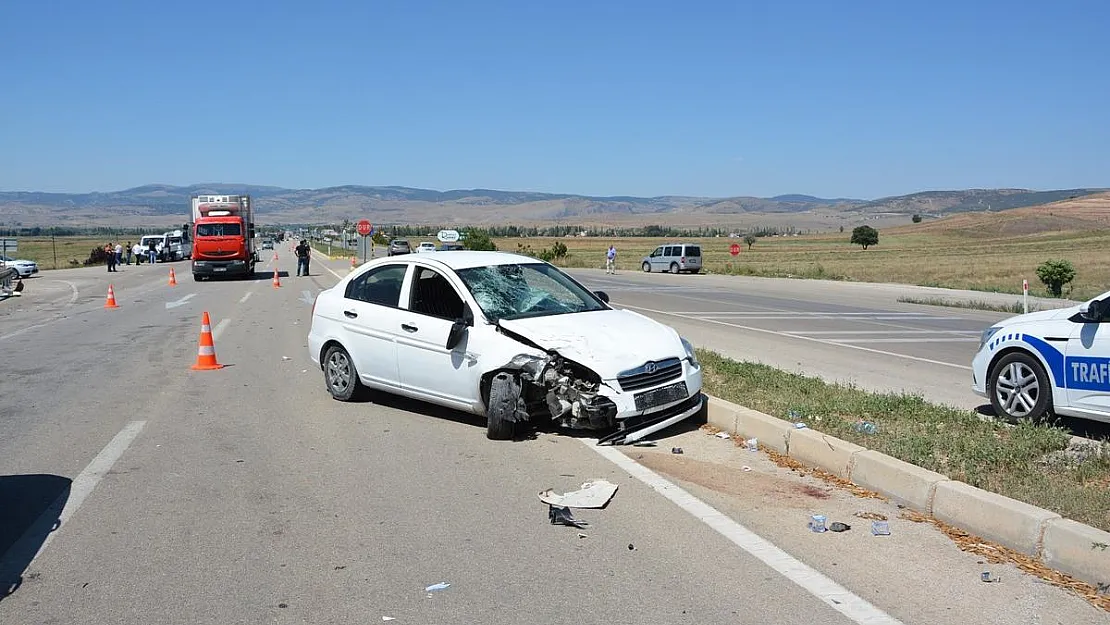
(804, 316)
(818, 313)
(180, 302)
(803, 338)
(857, 332)
(220, 327)
(815, 583)
(243, 300)
(321, 255)
(72, 287)
(307, 298)
(935, 339)
(79, 490)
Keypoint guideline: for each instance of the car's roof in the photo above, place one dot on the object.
(464, 259)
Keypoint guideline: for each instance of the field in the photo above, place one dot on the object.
(982, 261)
(70, 251)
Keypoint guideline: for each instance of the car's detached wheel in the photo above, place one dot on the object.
(340, 374)
(1019, 388)
(504, 397)
(647, 267)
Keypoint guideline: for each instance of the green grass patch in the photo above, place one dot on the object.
(1029, 462)
(1016, 307)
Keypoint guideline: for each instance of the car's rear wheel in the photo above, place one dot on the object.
(504, 398)
(1019, 388)
(674, 267)
(340, 374)
(647, 267)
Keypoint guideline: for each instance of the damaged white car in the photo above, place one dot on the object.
(505, 336)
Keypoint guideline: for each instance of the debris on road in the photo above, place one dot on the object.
(745, 468)
(631, 547)
(880, 528)
(752, 444)
(286, 358)
(439, 586)
(837, 526)
(865, 427)
(817, 523)
(581, 535)
(592, 494)
(800, 426)
(722, 435)
(388, 618)
(562, 516)
(870, 516)
(676, 450)
(987, 577)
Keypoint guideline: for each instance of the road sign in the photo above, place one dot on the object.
(734, 249)
(448, 236)
(364, 228)
(9, 245)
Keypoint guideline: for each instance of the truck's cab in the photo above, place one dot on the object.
(223, 236)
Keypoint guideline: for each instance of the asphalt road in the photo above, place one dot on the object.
(247, 495)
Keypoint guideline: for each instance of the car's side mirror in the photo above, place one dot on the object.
(458, 329)
(1095, 310)
(602, 295)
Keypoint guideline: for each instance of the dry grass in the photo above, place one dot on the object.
(984, 261)
(70, 251)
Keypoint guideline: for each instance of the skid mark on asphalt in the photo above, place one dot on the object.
(824, 589)
(800, 338)
(25, 549)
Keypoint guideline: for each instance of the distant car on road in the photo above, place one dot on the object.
(397, 247)
(505, 336)
(267, 244)
(25, 267)
(674, 257)
(426, 246)
(451, 247)
(1048, 362)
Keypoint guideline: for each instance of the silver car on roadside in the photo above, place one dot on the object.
(673, 257)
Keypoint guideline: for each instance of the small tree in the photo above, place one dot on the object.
(865, 236)
(478, 239)
(916, 219)
(1055, 274)
(558, 250)
(750, 240)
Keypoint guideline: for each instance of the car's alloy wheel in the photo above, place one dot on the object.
(1019, 388)
(647, 267)
(340, 374)
(674, 267)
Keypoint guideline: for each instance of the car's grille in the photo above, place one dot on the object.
(650, 374)
(221, 253)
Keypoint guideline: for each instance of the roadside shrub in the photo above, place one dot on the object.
(1055, 274)
(478, 239)
(98, 256)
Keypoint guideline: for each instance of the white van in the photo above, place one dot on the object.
(675, 258)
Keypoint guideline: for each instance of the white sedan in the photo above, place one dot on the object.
(505, 336)
(426, 246)
(1048, 362)
(25, 267)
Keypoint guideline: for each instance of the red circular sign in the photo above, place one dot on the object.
(734, 249)
(364, 227)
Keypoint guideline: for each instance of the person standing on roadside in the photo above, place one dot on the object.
(611, 260)
(111, 252)
(138, 251)
(128, 250)
(152, 251)
(119, 254)
(303, 251)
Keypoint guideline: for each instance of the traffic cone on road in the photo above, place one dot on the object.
(173, 278)
(277, 278)
(111, 301)
(206, 351)
(275, 255)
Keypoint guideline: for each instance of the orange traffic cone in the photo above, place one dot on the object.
(277, 278)
(173, 278)
(206, 352)
(275, 255)
(111, 302)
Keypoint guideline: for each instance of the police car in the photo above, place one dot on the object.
(1053, 361)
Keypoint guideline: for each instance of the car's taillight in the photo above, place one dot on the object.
(682, 260)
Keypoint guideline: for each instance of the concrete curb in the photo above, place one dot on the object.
(1065, 545)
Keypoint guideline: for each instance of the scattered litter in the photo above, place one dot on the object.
(817, 523)
(722, 434)
(676, 450)
(388, 618)
(631, 547)
(800, 426)
(286, 358)
(865, 427)
(644, 444)
(562, 516)
(745, 468)
(837, 526)
(880, 528)
(752, 444)
(871, 516)
(581, 535)
(304, 370)
(439, 586)
(987, 577)
(592, 494)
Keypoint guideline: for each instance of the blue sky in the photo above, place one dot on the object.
(837, 99)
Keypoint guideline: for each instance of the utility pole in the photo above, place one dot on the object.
(54, 246)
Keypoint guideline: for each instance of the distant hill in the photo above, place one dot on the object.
(1081, 214)
(155, 203)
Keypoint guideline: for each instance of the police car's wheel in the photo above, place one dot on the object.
(1019, 388)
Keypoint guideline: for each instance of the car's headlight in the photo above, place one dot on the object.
(987, 334)
(690, 353)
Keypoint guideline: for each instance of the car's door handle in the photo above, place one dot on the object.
(350, 313)
(408, 327)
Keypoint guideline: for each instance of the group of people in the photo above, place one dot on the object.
(118, 254)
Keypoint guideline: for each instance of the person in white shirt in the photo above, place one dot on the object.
(137, 251)
(119, 254)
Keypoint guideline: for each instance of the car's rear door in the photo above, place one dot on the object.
(371, 320)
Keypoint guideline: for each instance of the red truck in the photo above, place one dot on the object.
(223, 236)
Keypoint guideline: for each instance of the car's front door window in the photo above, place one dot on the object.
(433, 295)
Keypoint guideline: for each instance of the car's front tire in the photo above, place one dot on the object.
(504, 397)
(646, 267)
(1019, 388)
(340, 375)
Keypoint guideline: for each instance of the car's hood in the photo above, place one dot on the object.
(1042, 315)
(606, 341)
